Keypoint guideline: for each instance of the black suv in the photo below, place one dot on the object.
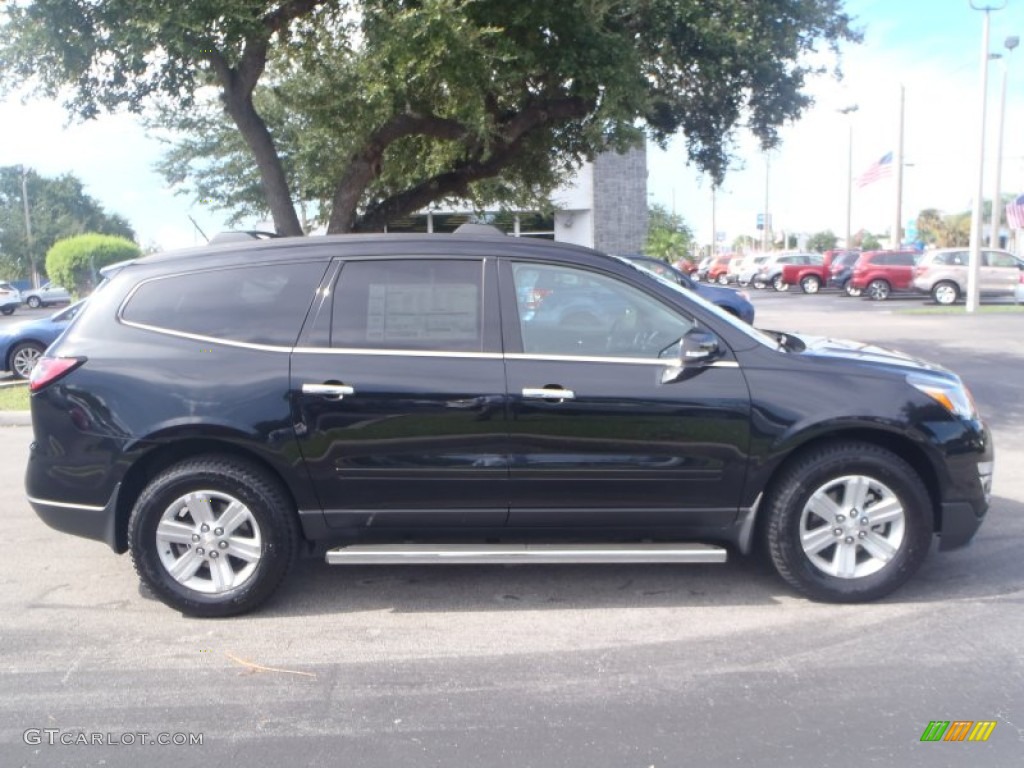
(382, 399)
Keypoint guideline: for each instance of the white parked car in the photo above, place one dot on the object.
(10, 298)
(45, 295)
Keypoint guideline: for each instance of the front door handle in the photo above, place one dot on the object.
(548, 393)
(337, 391)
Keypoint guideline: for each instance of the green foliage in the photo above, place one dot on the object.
(366, 110)
(58, 208)
(668, 236)
(75, 261)
(822, 241)
(866, 241)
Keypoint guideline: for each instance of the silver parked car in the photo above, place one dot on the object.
(943, 273)
(45, 295)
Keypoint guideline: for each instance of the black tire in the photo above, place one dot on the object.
(810, 284)
(945, 292)
(849, 290)
(814, 472)
(7, 310)
(23, 357)
(779, 284)
(723, 279)
(272, 523)
(878, 290)
(34, 302)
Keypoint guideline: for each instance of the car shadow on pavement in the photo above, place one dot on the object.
(988, 568)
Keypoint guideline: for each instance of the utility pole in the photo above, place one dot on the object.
(974, 263)
(765, 234)
(849, 168)
(897, 229)
(28, 228)
(997, 192)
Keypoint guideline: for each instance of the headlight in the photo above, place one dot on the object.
(953, 396)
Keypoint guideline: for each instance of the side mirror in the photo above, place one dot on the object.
(697, 347)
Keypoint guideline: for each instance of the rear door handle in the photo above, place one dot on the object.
(328, 390)
(548, 393)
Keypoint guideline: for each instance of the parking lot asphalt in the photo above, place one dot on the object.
(538, 666)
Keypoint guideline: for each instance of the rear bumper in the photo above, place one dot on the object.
(90, 522)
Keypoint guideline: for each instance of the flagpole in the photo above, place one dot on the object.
(897, 228)
(974, 263)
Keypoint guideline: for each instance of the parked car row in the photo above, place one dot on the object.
(878, 274)
(11, 298)
(22, 344)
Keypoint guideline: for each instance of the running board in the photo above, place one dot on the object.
(507, 554)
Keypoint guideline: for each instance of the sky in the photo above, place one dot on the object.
(931, 47)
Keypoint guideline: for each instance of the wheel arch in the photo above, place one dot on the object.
(154, 461)
(899, 444)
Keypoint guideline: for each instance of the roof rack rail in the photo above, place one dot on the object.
(237, 235)
(472, 228)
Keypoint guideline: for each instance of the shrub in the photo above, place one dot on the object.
(75, 262)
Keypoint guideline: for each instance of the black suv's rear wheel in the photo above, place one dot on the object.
(213, 536)
(849, 522)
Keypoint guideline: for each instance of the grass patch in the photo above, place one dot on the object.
(14, 398)
(991, 309)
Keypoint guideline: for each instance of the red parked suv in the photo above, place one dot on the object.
(878, 273)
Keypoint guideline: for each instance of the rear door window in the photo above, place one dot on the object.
(410, 304)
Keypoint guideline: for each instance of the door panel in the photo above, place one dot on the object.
(418, 436)
(617, 442)
(628, 449)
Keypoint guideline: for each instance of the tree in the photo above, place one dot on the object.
(373, 109)
(866, 241)
(668, 236)
(74, 262)
(58, 207)
(822, 241)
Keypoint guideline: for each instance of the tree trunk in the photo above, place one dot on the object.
(272, 176)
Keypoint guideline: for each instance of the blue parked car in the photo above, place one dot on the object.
(22, 344)
(732, 301)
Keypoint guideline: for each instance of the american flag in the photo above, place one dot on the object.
(879, 170)
(1015, 213)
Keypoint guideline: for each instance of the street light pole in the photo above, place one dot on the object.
(974, 268)
(997, 192)
(28, 228)
(849, 168)
(897, 228)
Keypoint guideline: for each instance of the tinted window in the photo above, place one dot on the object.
(259, 305)
(952, 258)
(568, 311)
(410, 304)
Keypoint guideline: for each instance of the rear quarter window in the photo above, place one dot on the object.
(254, 304)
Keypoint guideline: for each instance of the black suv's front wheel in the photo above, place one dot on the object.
(213, 536)
(849, 522)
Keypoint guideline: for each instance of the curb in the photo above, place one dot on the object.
(15, 418)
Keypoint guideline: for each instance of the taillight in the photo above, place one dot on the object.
(48, 369)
